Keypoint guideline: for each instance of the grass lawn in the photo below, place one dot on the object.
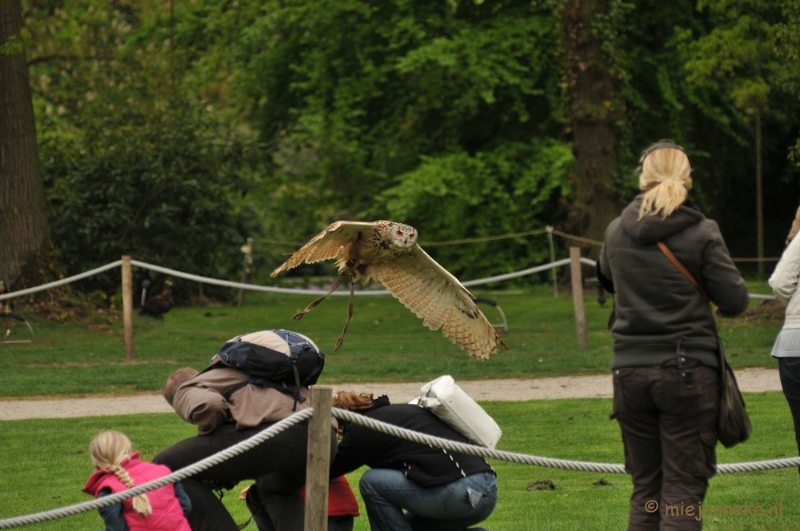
(385, 343)
(45, 462)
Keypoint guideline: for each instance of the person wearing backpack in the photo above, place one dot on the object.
(254, 381)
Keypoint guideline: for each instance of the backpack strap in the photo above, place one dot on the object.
(293, 356)
(229, 393)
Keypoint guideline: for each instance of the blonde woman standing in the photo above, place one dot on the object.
(665, 365)
(119, 468)
(787, 345)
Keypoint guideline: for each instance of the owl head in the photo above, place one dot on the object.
(402, 235)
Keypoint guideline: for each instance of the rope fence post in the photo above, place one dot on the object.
(577, 294)
(319, 460)
(553, 273)
(127, 306)
(247, 266)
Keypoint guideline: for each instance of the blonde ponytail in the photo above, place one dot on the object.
(108, 450)
(665, 177)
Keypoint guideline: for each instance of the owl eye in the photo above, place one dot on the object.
(399, 233)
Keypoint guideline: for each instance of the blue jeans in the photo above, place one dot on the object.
(454, 506)
(789, 370)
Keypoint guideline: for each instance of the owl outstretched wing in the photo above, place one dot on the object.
(328, 244)
(437, 297)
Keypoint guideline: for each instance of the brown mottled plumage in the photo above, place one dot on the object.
(160, 304)
(388, 252)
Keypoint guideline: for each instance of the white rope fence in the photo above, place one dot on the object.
(294, 291)
(61, 282)
(356, 418)
(564, 464)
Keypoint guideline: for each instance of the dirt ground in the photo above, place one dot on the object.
(750, 380)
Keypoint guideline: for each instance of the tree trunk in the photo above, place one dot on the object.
(24, 231)
(593, 109)
(759, 199)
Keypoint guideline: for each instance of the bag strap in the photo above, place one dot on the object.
(677, 263)
(725, 369)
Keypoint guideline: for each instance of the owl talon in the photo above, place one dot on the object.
(340, 340)
(299, 315)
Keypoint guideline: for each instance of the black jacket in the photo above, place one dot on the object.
(424, 465)
(655, 304)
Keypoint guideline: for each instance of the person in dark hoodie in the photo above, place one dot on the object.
(412, 486)
(665, 366)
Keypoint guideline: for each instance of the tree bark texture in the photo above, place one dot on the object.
(24, 230)
(759, 199)
(594, 110)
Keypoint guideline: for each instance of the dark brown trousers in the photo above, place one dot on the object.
(278, 465)
(668, 416)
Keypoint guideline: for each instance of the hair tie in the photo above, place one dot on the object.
(669, 179)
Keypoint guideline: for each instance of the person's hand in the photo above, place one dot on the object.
(243, 494)
(717, 312)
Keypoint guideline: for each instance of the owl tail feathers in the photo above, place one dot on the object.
(502, 342)
(299, 315)
(340, 340)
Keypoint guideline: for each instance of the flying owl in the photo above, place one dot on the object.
(388, 252)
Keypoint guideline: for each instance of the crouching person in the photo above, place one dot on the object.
(412, 486)
(230, 405)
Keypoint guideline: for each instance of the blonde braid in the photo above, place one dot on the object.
(141, 504)
(108, 450)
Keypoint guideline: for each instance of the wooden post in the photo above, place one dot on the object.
(319, 460)
(247, 266)
(553, 271)
(577, 295)
(127, 306)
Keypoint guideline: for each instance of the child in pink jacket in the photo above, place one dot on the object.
(118, 469)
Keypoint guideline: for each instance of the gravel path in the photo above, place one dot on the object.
(750, 380)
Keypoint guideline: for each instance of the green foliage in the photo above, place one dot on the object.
(15, 44)
(663, 102)
(354, 98)
(451, 116)
(513, 187)
(134, 163)
(787, 34)
(161, 186)
(738, 55)
(788, 48)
